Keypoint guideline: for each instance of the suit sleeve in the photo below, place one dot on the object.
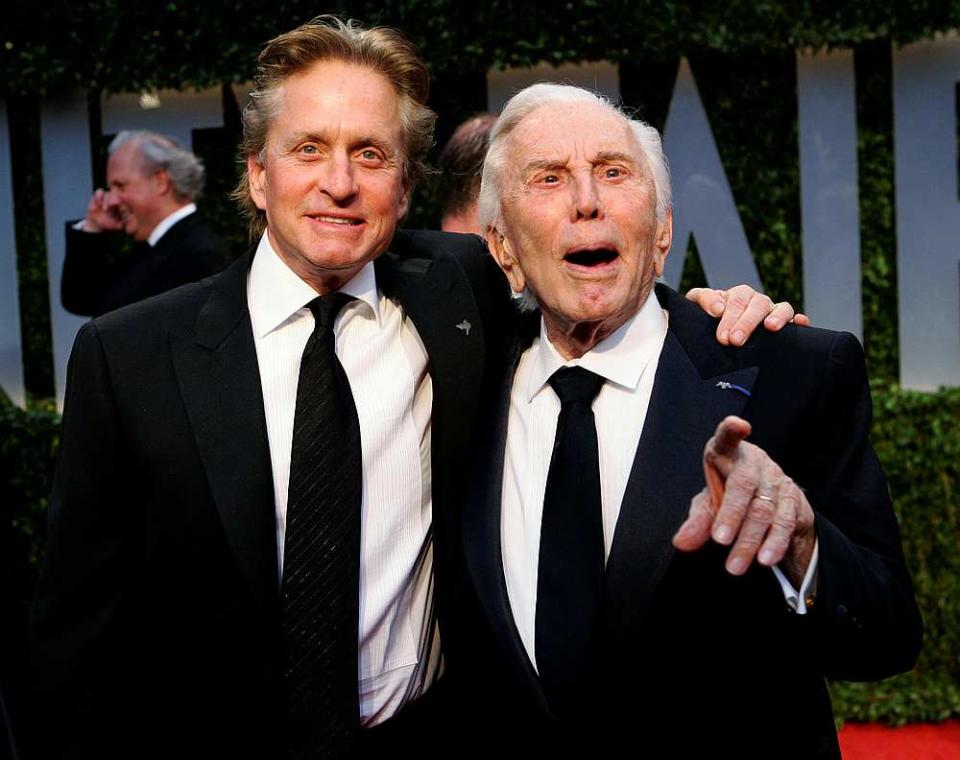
(76, 646)
(866, 622)
(88, 272)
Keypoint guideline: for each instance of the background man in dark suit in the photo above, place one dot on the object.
(152, 186)
(599, 631)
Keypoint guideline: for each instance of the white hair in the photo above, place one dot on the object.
(161, 153)
(528, 100)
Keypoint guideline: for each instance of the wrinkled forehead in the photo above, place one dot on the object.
(334, 94)
(571, 132)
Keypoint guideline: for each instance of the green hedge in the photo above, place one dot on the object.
(28, 445)
(162, 43)
(917, 437)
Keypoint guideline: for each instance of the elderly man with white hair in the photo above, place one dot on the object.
(152, 186)
(624, 601)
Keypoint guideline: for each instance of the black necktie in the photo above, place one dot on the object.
(321, 564)
(570, 579)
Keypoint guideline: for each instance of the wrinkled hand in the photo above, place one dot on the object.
(102, 213)
(749, 502)
(741, 310)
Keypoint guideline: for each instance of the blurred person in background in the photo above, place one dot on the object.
(152, 186)
(460, 163)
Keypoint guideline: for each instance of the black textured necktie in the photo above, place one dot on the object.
(571, 571)
(321, 564)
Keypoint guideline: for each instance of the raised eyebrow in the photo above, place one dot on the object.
(613, 157)
(301, 137)
(372, 142)
(544, 164)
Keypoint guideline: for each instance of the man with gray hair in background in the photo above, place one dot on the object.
(152, 186)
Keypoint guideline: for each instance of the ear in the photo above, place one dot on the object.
(161, 183)
(503, 253)
(257, 181)
(403, 204)
(662, 240)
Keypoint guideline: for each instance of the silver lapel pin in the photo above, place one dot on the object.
(732, 387)
(465, 326)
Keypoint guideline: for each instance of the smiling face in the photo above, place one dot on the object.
(332, 182)
(139, 198)
(578, 224)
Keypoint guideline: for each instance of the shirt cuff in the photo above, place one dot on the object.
(800, 601)
(81, 225)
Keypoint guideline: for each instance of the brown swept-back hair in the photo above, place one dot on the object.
(381, 49)
(461, 161)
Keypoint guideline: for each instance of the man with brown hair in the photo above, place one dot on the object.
(187, 455)
(257, 472)
(460, 163)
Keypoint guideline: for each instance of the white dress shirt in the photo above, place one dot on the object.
(627, 359)
(386, 363)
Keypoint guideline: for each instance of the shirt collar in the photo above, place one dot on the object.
(275, 292)
(167, 222)
(619, 358)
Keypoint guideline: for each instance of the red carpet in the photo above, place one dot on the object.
(922, 741)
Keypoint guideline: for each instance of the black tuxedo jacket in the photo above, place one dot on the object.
(156, 624)
(97, 278)
(691, 661)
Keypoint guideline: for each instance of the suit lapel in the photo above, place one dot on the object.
(482, 517)
(437, 297)
(219, 380)
(687, 402)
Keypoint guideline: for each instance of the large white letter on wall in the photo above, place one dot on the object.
(829, 198)
(702, 201)
(11, 357)
(925, 76)
(169, 112)
(67, 184)
(68, 179)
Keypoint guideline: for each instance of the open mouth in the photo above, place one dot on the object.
(591, 258)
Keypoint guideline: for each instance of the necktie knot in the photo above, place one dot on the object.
(325, 308)
(575, 385)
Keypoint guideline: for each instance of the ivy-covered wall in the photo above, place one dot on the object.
(123, 46)
(742, 54)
